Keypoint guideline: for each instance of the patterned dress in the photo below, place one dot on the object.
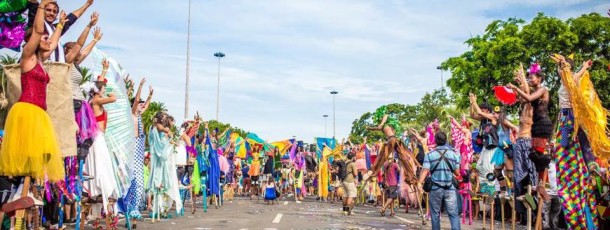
(136, 191)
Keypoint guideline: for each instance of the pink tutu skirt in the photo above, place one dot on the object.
(224, 164)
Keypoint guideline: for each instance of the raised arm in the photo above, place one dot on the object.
(28, 56)
(454, 122)
(380, 126)
(585, 65)
(80, 11)
(55, 37)
(72, 56)
(186, 139)
(475, 106)
(105, 65)
(522, 80)
(97, 36)
(510, 125)
(474, 114)
(529, 97)
(150, 94)
(83, 36)
(136, 101)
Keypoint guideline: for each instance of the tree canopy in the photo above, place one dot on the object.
(437, 104)
(494, 55)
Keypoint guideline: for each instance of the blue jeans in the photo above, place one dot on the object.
(451, 206)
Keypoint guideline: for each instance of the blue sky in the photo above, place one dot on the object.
(284, 57)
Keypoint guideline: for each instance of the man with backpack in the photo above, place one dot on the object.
(348, 174)
(442, 164)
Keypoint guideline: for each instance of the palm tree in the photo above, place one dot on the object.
(4, 60)
(86, 73)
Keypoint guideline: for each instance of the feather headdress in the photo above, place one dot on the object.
(534, 69)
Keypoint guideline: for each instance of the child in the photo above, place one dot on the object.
(270, 191)
(474, 180)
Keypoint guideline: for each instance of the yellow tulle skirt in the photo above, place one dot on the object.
(29, 147)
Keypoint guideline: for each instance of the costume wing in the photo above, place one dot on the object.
(120, 133)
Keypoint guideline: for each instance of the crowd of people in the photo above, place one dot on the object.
(104, 162)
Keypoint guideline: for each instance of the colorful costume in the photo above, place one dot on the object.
(29, 146)
(136, 191)
(575, 184)
(163, 180)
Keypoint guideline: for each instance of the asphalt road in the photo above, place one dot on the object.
(243, 213)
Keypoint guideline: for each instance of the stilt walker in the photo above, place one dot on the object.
(580, 109)
(390, 126)
(30, 148)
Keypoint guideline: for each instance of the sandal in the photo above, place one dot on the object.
(392, 214)
(529, 200)
(382, 212)
(21, 203)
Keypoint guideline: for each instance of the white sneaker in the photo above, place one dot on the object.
(37, 202)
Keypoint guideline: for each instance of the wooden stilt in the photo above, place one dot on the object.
(79, 193)
(529, 209)
(419, 197)
(484, 197)
(514, 214)
(492, 216)
(20, 214)
(204, 190)
(542, 183)
(502, 201)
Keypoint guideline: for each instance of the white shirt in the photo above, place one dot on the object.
(564, 98)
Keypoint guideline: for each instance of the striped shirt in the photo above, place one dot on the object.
(442, 175)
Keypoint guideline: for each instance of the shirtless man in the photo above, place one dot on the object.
(525, 170)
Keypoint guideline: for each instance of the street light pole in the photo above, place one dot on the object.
(219, 55)
(188, 65)
(325, 116)
(334, 93)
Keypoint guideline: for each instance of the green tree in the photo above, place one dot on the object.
(86, 73)
(213, 124)
(404, 113)
(432, 105)
(494, 55)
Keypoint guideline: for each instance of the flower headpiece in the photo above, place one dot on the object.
(88, 87)
(534, 69)
(105, 81)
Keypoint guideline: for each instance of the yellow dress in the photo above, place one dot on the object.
(323, 179)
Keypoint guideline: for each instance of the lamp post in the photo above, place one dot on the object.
(442, 82)
(188, 65)
(219, 55)
(325, 116)
(334, 93)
